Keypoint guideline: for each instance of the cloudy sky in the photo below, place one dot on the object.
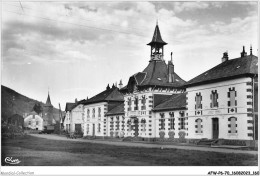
(76, 49)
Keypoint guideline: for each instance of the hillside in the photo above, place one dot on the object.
(14, 103)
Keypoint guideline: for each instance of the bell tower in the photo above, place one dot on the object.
(157, 44)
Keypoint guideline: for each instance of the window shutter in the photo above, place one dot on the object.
(228, 94)
(228, 103)
(235, 102)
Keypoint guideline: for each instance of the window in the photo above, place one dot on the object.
(88, 112)
(162, 122)
(129, 125)
(182, 123)
(232, 125)
(99, 112)
(129, 104)
(37, 123)
(117, 122)
(112, 124)
(232, 97)
(143, 101)
(143, 124)
(136, 103)
(198, 100)
(198, 126)
(93, 112)
(171, 120)
(33, 116)
(214, 99)
(30, 122)
(99, 127)
(87, 128)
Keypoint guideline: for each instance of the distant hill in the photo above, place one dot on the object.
(13, 102)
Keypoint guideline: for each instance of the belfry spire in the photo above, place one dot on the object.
(48, 101)
(157, 44)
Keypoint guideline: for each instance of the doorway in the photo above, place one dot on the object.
(215, 128)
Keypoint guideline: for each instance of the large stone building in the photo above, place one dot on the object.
(158, 104)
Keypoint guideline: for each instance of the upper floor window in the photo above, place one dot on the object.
(99, 112)
(33, 116)
(143, 101)
(87, 128)
(129, 104)
(37, 123)
(136, 103)
(93, 112)
(198, 100)
(214, 99)
(117, 122)
(232, 97)
(88, 113)
(30, 122)
(143, 124)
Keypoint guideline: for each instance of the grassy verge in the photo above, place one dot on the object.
(37, 151)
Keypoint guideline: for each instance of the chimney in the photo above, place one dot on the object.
(170, 71)
(225, 57)
(243, 53)
(251, 53)
(120, 84)
(108, 87)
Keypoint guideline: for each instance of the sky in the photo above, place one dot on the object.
(75, 49)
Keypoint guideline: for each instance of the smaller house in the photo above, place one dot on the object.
(16, 120)
(33, 121)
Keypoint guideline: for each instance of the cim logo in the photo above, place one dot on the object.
(10, 160)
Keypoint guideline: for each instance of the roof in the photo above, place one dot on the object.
(110, 94)
(155, 74)
(15, 116)
(157, 38)
(229, 69)
(174, 102)
(116, 110)
(48, 101)
(33, 113)
(158, 98)
(69, 106)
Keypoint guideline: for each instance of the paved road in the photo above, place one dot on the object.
(133, 144)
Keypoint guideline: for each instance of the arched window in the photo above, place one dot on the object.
(232, 125)
(198, 126)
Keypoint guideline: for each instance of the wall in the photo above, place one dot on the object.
(77, 117)
(33, 122)
(242, 110)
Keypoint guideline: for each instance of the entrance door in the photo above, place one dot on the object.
(93, 134)
(136, 127)
(215, 128)
(78, 128)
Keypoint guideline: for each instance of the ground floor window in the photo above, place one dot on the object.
(182, 123)
(99, 127)
(162, 122)
(198, 125)
(171, 124)
(232, 125)
(129, 123)
(143, 124)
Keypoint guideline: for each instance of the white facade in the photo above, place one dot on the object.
(116, 126)
(95, 120)
(147, 120)
(67, 121)
(34, 121)
(232, 121)
(76, 118)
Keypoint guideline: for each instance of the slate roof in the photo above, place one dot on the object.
(158, 99)
(157, 38)
(242, 66)
(118, 110)
(107, 95)
(174, 102)
(69, 106)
